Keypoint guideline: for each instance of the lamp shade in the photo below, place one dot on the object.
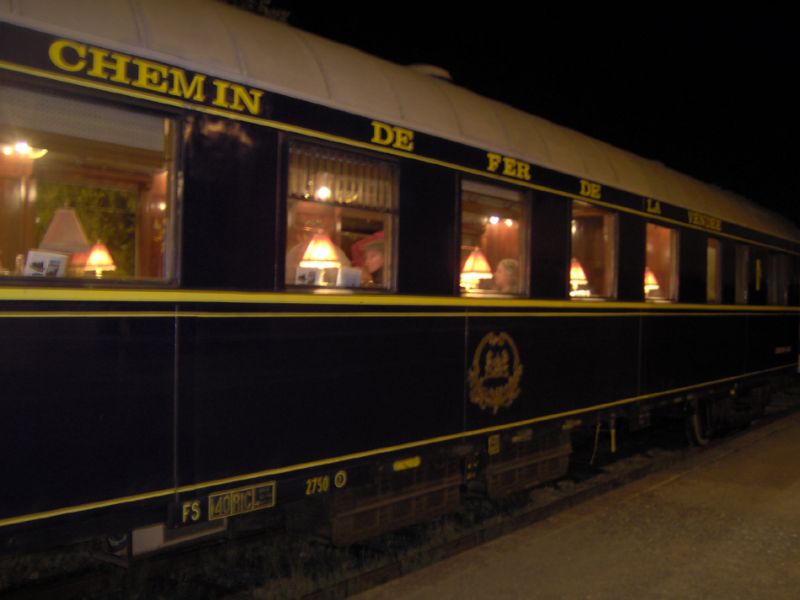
(65, 233)
(578, 282)
(577, 276)
(99, 260)
(650, 281)
(320, 254)
(475, 268)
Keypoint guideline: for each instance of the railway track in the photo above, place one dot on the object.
(275, 564)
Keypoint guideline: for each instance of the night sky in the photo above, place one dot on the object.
(707, 94)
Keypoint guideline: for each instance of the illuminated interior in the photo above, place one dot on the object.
(71, 172)
(99, 260)
(661, 259)
(578, 283)
(651, 285)
(474, 270)
(493, 240)
(339, 220)
(22, 149)
(594, 252)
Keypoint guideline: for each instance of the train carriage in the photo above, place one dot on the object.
(244, 270)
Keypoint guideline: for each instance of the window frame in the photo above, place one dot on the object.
(741, 279)
(173, 122)
(283, 208)
(717, 270)
(507, 193)
(674, 296)
(778, 279)
(613, 218)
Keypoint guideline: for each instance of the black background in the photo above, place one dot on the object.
(707, 93)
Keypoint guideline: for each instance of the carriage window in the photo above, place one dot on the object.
(742, 272)
(661, 264)
(713, 271)
(340, 211)
(84, 190)
(778, 282)
(493, 240)
(592, 270)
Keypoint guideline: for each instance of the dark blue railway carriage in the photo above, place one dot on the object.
(246, 270)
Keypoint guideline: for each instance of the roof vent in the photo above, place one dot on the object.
(432, 71)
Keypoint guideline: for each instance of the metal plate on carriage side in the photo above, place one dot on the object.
(241, 500)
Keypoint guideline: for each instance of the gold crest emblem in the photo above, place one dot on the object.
(496, 372)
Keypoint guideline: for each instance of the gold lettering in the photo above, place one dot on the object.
(382, 133)
(509, 166)
(242, 97)
(404, 139)
(190, 511)
(56, 53)
(180, 87)
(494, 161)
(250, 98)
(653, 206)
(590, 190)
(705, 221)
(101, 63)
(222, 93)
(152, 76)
(388, 135)
(157, 77)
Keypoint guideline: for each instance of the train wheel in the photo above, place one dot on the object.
(698, 421)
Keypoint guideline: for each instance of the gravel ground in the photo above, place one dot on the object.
(723, 524)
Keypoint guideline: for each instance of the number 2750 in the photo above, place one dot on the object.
(318, 485)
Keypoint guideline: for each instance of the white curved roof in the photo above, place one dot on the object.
(212, 37)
